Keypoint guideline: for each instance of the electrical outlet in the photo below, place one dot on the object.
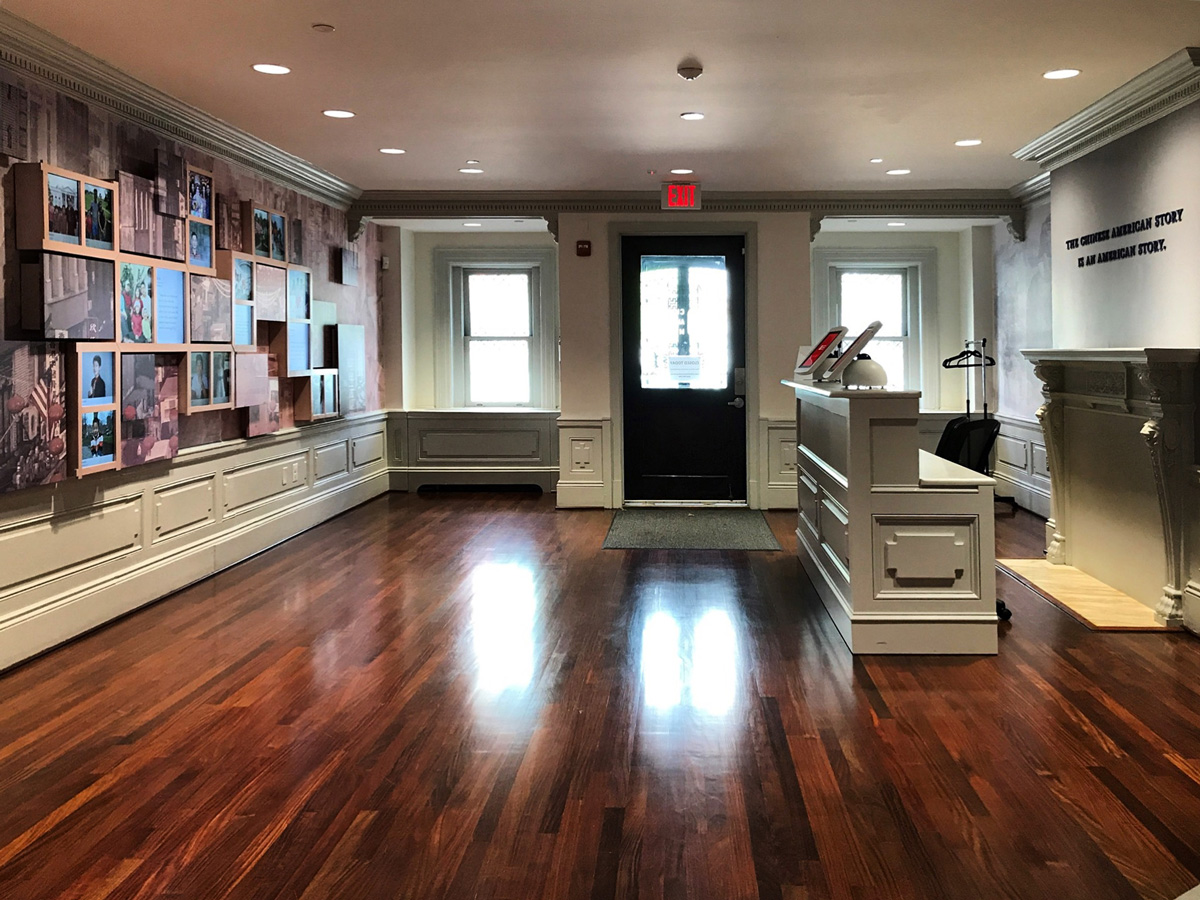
(295, 472)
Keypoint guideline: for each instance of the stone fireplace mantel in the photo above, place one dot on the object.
(1120, 429)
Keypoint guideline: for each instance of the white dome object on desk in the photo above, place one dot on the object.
(864, 372)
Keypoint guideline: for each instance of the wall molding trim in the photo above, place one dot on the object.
(1033, 190)
(1159, 91)
(37, 53)
(551, 204)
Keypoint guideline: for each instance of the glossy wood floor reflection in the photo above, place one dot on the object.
(464, 696)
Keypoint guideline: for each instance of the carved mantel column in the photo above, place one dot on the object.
(1169, 434)
(1050, 416)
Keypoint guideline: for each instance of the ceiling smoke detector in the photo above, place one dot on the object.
(690, 69)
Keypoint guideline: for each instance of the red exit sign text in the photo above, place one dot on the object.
(681, 196)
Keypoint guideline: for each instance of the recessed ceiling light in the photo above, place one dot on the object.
(877, 160)
(896, 224)
(899, 171)
(323, 27)
(1060, 74)
(391, 151)
(691, 116)
(270, 69)
(471, 171)
(969, 142)
(472, 224)
(682, 171)
(472, 162)
(338, 113)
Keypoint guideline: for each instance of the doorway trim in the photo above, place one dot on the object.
(618, 230)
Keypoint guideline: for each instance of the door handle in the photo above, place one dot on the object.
(736, 403)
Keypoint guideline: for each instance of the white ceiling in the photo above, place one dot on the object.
(551, 94)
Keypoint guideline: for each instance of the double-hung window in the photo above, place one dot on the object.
(854, 287)
(498, 341)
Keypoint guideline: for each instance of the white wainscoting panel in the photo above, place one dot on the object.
(1020, 467)
(585, 478)
(76, 554)
(368, 449)
(477, 446)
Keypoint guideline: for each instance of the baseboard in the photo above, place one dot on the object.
(576, 495)
(1026, 496)
(416, 477)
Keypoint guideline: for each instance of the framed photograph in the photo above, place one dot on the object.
(243, 280)
(199, 380)
(250, 383)
(323, 319)
(170, 305)
(200, 194)
(352, 368)
(278, 237)
(62, 209)
(211, 309)
(170, 198)
(270, 293)
(264, 418)
(149, 408)
(99, 216)
(229, 223)
(69, 297)
(262, 232)
(136, 285)
(98, 439)
(222, 378)
(33, 403)
(299, 294)
(200, 246)
(97, 381)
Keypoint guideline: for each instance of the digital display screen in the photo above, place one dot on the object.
(819, 350)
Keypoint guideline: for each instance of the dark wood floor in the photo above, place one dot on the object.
(464, 696)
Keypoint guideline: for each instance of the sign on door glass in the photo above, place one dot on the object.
(684, 323)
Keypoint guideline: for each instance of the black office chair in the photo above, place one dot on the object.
(969, 442)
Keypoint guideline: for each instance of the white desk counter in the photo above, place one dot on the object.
(899, 543)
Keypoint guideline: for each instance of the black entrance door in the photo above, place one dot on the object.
(684, 351)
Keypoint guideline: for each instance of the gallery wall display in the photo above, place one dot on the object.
(33, 405)
(68, 297)
(211, 305)
(64, 211)
(160, 322)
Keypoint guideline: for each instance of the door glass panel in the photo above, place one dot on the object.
(499, 371)
(684, 323)
(498, 304)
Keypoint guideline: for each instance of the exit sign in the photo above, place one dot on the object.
(681, 196)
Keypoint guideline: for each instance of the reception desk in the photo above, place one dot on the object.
(899, 543)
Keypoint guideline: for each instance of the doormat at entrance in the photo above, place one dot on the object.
(690, 529)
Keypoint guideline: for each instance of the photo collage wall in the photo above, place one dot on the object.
(147, 308)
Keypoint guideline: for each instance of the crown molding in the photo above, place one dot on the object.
(1171, 85)
(1033, 190)
(551, 204)
(32, 51)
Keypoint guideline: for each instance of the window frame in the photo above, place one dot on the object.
(452, 341)
(909, 340)
(920, 264)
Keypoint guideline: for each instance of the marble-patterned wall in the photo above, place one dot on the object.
(67, 132)
(1023, 311)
